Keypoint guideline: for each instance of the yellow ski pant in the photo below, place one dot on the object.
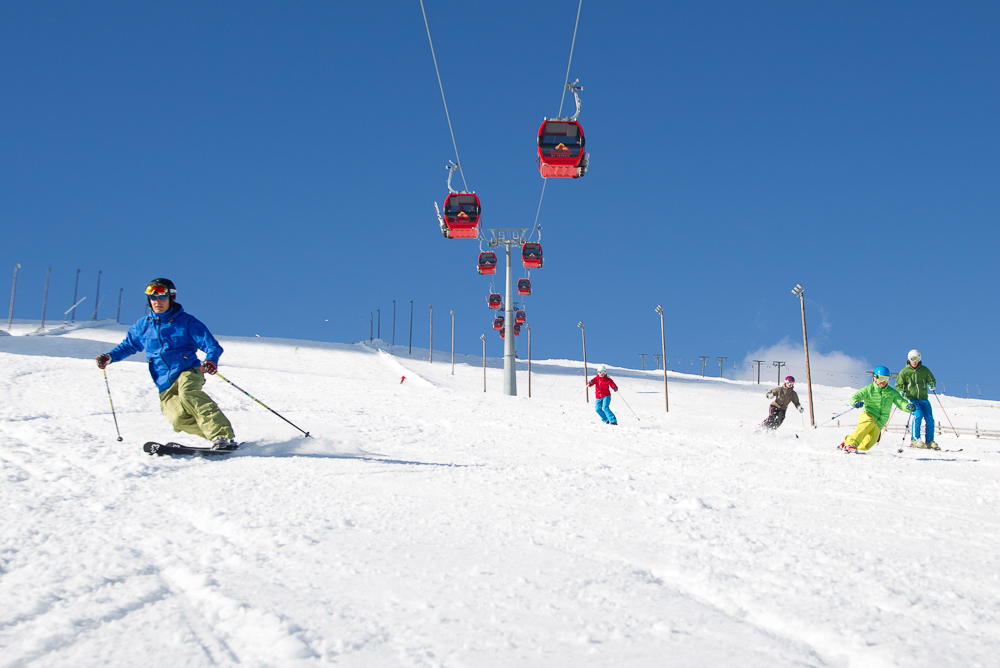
(866, 434)
(191, 410)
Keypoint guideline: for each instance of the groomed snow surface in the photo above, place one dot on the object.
(431, 524)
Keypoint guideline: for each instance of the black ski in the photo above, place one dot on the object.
(178, 450)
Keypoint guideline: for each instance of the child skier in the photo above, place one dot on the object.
(603, 396)
(877, 400)
(783, 396)
(913, 382)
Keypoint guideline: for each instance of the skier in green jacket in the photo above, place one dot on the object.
(913, 382)
(877, 400)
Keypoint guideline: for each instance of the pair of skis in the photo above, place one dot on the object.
(178, 450)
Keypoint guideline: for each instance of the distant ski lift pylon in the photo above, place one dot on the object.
(461, 211)
(561, 144)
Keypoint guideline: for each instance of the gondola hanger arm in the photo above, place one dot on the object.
(576, 94)
(451, 167)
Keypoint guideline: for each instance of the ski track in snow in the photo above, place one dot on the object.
(431, 524)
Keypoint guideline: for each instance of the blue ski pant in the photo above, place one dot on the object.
(604, 411)
(923, 413)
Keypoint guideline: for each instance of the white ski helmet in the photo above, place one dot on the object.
(913, 355)
(602, 369)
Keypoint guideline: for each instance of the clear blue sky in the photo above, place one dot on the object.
(279, 162)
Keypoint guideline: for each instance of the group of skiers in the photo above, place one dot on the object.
(171, 338)
(876, 401)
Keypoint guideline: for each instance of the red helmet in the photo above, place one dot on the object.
(789, 380)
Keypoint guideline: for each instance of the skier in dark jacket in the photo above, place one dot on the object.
(171, 338)
(783, 396)
(602, 394)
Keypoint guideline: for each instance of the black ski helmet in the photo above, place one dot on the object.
(166, 283)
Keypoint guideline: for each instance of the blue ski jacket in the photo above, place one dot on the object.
(171, 341)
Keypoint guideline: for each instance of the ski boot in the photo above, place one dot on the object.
(849, 449)
(932, 445)
(223, 443)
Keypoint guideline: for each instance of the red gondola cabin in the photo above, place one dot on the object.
(487, 263)
(531, 255)
(519, 317)
(461, 216)
(524, 287)
(495, 300)
(560, 150)
(517, 330)
(498, 323)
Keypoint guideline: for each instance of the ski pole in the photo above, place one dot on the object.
(755, 412)
(906, 430)
(629, 407)
(837, 416)
(112, 403)
(262, 403)
(945, 413)
(578, 394)
(891, 415)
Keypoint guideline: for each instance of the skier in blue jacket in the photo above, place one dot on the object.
(171, 338)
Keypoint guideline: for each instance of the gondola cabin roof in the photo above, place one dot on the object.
(487, 263)
(561, 149)
(531, 255)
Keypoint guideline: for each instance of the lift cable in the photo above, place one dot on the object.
(441, 86)
(572, 46)
(545, 179)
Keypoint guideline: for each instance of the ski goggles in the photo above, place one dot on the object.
(157, 292)
(881, 379)
(914, 359)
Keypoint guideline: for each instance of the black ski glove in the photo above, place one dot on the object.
(103, 360)
(209, 367)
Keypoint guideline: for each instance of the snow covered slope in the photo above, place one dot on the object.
(431, 524)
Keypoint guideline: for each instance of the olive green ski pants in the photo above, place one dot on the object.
(191, 410)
